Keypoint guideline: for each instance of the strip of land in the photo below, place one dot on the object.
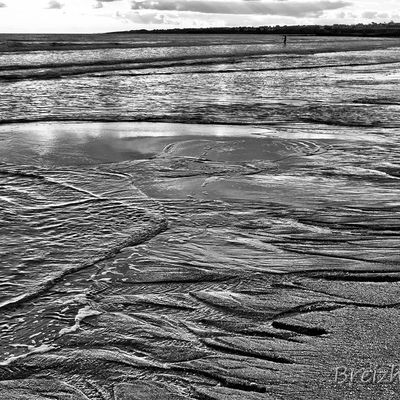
(391, 29)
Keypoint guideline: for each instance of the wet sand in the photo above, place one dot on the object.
(241, 242)
(237, 262)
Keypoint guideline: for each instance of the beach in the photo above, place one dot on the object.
(199, 218)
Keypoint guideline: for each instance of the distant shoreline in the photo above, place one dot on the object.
(390, 29)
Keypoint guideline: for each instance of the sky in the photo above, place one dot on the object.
(85, 16)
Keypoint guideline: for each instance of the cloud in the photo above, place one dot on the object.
(249, 7)
(3, 5)
(99, 3)
(375, 15)
(173, 19)
(383, 15)
(369, 14)
(54, 5)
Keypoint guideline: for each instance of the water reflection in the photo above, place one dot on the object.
(96, 143)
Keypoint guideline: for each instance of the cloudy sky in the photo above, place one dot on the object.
(108, 15)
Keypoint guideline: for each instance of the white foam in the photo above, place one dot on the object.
(83, 313)
(44, 348)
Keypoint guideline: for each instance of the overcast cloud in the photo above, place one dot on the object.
(54, 5)
(109, 15)
(251, 7)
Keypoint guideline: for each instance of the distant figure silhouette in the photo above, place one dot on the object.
(284, 40)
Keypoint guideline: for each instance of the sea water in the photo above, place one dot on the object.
(153, 166)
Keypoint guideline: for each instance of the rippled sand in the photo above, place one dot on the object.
(207, 261)
(245, 257)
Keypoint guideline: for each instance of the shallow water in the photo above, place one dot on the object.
(159, 218)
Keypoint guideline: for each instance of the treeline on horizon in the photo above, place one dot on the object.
(390, 29)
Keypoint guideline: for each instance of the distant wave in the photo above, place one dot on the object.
(59, 70)
(113, 62)
(196, 120)
(120, 118)
(157, 67)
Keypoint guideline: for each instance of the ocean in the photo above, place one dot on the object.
(166, 201)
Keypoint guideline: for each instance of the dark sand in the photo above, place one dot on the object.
(271, 259)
